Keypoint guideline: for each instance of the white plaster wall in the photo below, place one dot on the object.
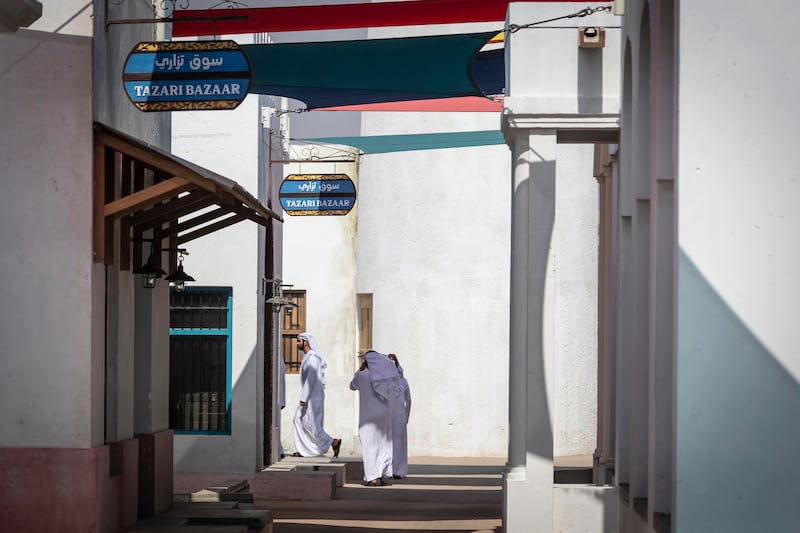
(433, 249)
(576, 80)
(739, 211)
(67, 17)
(320, 258)
(585, 509)
(111, 104)
(54, 80)
(46, 225)
(418, 225)
(554, 83)
(575, 245)
(227, 142)
(415, 248)
(45, 235)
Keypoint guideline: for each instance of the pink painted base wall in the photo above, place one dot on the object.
(69, 489)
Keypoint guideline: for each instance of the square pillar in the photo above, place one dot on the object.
(528, 479)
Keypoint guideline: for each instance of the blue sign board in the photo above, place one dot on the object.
(317, 194)
(178, 76)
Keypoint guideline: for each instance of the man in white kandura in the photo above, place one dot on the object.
(376, 383)
(310, 438)
(400, 414)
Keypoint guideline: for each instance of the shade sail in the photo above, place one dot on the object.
(340, 16)
(472, 104)
(381, 144)
(377, 70)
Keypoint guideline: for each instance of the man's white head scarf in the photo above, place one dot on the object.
(314, 345)
(382, 373)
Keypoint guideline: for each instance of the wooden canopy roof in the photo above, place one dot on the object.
(157, 197)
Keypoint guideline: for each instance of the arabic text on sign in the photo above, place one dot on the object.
(188, 61)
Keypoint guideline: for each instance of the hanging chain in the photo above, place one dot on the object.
(513, 28)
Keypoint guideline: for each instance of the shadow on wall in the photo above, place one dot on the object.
(590, 80)
(541, 213)
(737, 419)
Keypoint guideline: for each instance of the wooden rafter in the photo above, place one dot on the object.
(146, 191)
(146, 198)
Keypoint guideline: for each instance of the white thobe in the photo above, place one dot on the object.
(400, 414)
(374, 428)
(310, 438)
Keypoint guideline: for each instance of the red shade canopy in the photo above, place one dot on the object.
(193, 22)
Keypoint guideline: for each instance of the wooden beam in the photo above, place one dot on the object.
(249, 214)
(98, 201)
(137, 257)
(211, 228)
(110, 175)
(125, 245)
(189, 223)
(177, 207)
(147, 197)
(173, 243)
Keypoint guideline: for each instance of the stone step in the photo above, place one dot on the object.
(185, 502)
(294, 485)
(230, 485)
(207, 495)
(256, 520)
(281, 481)
(179, 525)
(337, 468)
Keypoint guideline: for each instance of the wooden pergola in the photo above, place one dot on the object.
(145, 194)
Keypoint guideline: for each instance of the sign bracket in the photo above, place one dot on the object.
(107, 22)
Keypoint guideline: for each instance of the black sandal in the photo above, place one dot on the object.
(296, 454)
(335, 445)
(374, 483)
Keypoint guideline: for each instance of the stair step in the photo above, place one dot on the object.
(230, 485)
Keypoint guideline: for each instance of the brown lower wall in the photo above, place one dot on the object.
(69, 489)
(155, 485)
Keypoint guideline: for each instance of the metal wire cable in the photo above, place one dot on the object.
(513, 28)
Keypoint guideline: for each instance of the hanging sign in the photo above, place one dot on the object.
(190, 75)
(317, 194)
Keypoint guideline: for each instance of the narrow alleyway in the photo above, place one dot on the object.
(439, 494)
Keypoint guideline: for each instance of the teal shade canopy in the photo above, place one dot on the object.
(381, 144)
(376, 70)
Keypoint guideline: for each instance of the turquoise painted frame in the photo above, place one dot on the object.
(228, 355)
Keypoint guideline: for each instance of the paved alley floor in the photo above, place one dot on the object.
(439, 494)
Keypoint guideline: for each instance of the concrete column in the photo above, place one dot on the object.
(119, 356)
(639, 362)
(623, 316)
(529, 475)
(151, 369)
(606, 364)
(151, 396)
(662, 349)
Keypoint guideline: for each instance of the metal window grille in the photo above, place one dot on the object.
(200, 357)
